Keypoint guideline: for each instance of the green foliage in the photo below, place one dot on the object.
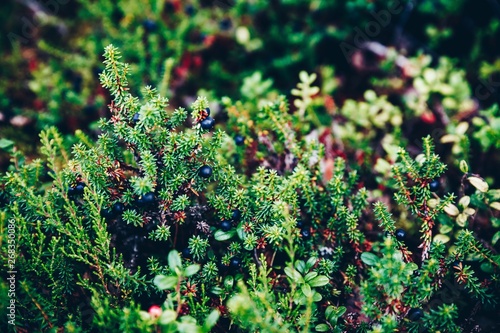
(128, 223)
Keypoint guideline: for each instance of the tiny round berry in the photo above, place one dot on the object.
(207, 111)
(400, 234)
(107, 213)
(415, 314)
(225, 225)
(207, 123)
(136, 117)
(71, 191)
(235, 262)
(305, 233)
(189, 10)
(149, 25)
(239, 139)
(236, 214)
(79, 188)
(434, 185)
(148, 198)
(118, 208)
(186, 253)
(155, 311)
(205, 171)
(225, 24)
(300, 223)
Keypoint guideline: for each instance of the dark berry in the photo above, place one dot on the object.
(236, 215)
(205, 171)
(149, 25)
(186, 253)
(300, 224)
(79, 188)
(189, 10)
(434, 185)
(225, 225)
(225, 24)
(305, 233)
(71, 191)
(148, 198)
(107, 213)
(239, 139)
(400, 235)
(135, 118)
(235, 262)
(207, 111)
(207, 123)
(118, 208)
(415, 314)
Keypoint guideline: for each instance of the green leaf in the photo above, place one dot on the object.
(191, 270)
(322, 328)
(167, 317)
(174, 260)
(478, 183)
(6, 143)
(293, 274)
(495, 238)
(369, 258)
(224, 236)
(211, 320)
(319, 281)
(310, 275)
(306, 290)
(330, 311)
(163, 282)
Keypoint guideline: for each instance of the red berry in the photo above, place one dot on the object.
(155, 311)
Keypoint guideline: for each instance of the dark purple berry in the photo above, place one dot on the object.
(235, 262)
(135, 118)
(148, 198)
(207, 123)
(189, 10)
(107, 213)
(149, 25)
(415, 314)
(207, 111)
(186, 253)
(225, 24)
(205, 171)
(434, 185)
(225, 225)
(400, 235)
(305, 233)
(239, 139)
(300, 224)
(236, 214)
(79, 188)
(118, 208)
(71, 191)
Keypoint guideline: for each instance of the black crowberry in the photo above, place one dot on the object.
(79, 188)
(186, 253)
(305, 233)
(189, 10)
(205, 171)
(135, 118)
(239, 139)
(225, 225)
(207, 111)
(107, 213)
(149, 25)
(400, 235)
(148, 198)
(71, 191)
(118, 208)
(235, 262)
(434, 185)
(236, 215)
(415, 314)
(207, 123)
(225, 24)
